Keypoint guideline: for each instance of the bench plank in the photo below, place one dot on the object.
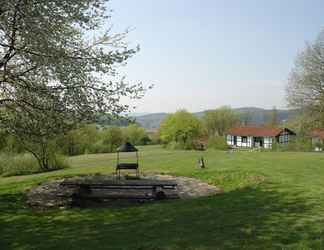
(127, 166)
(131, 183)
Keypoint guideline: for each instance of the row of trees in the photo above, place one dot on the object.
(91, 139)
(86, 139)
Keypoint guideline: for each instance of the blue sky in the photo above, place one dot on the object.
(204, 54)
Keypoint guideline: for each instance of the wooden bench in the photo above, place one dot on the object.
(128, 189)
(126, 166)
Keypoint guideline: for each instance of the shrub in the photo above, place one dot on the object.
(97, 148)
(23, 164)
(298, 144)
(135, 135)
(154, 138)
(79, 141)
(57, 162)
(18, 164)
(217, 142)
(112, 138)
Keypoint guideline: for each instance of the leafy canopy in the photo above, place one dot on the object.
(305, 89)
(218, 120)
(55, 55)
(180, 127)
(58, 67)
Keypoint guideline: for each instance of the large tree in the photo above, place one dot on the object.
(305, 89)
(181, 127)
(135, 134)
(58, 67)
(218, 120)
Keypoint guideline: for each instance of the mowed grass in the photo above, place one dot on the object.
(271, 201)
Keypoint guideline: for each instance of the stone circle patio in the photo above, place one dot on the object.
(52, 194)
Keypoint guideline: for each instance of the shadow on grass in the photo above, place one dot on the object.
(250, 218)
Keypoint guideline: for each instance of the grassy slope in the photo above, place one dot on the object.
(272, 201)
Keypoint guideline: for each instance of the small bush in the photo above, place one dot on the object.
(189, 145)
(154, 138)
(57, 162)
(217, 142)
(298, 144)
(135, 135)
(100, 147)
(97, 148)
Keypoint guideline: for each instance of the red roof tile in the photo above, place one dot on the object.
(317, 132)
(255, 131)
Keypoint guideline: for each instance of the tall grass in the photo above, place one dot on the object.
(24, 164)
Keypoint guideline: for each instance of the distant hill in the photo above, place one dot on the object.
(259, 115)
(255, 116)
(151, 120)
(137, 114)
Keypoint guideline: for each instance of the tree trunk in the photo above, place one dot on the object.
(41, 157)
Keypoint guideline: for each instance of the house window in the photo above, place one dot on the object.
(231, 139)
(244, 139)
(284, 138)
(267, 142)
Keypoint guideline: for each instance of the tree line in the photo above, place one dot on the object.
(87, 139)
(183, 130)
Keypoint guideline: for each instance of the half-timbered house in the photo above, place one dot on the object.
(262, 137)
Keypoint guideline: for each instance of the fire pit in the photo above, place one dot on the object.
(102, 191)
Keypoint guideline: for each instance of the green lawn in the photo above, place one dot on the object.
(271, 201)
